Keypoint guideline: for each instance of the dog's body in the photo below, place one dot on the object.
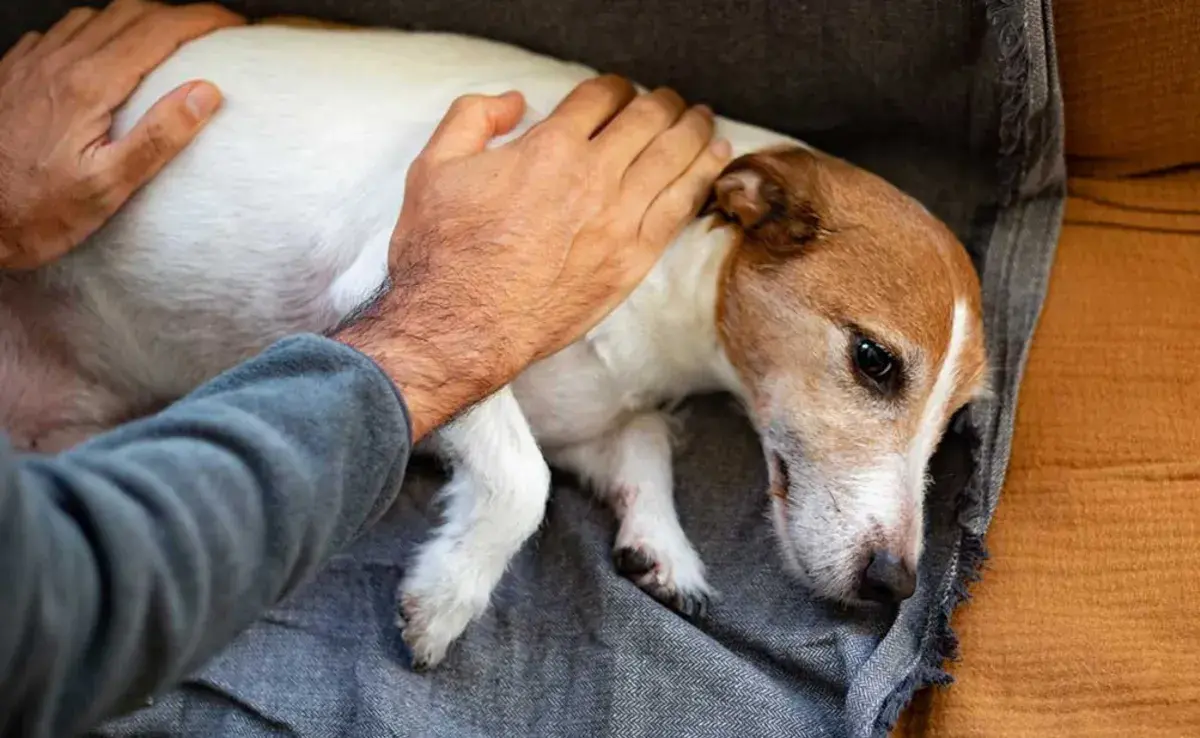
(277, 220)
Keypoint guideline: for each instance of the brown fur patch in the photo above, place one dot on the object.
(830, 250)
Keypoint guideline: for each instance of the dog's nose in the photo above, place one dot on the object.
(887, 579)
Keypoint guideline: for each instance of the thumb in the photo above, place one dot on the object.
(163, 132)
(473, 121)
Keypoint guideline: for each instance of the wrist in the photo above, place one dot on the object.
(10, 250)
(433, 374)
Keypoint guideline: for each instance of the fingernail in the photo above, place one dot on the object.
(721, 148)
(202, 100)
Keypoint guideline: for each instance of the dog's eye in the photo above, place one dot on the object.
(876, 364)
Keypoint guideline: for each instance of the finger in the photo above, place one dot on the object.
(473, 121)
(24, 46)
(105, 26)
(679, 204)
(639, 123)
(667, 157)
(65, 29)
(163, 132)
(128, 57)
(591, 104)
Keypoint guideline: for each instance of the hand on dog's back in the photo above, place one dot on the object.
(503, 256)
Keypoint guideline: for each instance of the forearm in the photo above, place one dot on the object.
(131, 560)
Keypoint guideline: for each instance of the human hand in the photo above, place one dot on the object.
(61, 177)
(504, 256)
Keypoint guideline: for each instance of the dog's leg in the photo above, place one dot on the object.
(630, 468)
(495, 500)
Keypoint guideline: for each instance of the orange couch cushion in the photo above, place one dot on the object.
(1087, 621)
(1130, 73)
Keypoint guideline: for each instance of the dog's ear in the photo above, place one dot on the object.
(769, 196)
(745, 194)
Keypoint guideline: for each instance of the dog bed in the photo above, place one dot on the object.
(958, 104)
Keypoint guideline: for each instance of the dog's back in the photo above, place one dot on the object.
(275, 220)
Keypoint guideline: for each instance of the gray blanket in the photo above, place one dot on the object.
(955, 101)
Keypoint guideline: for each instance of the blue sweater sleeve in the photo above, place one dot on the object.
(129, 561)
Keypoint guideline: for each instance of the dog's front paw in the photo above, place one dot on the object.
(435, 605)
(429, 625)
(671, 574)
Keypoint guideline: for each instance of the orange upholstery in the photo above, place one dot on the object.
(1085, 623)
(1130, 74)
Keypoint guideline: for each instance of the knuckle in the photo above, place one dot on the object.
(78, 82)
(670, 98)
(23, 63)
(682, 143)
(607, 90)
(645, 106)
(659, 107)
(611, 84)
(552, 141)
(698, 122)
(594, 195)
(98, 184)
(468, 105)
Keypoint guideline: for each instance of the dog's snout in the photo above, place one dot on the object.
(887, 579)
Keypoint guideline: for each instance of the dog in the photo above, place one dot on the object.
(843, 316)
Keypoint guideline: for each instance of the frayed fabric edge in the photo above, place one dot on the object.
(941, 643)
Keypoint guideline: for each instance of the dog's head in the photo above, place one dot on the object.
(852, 317)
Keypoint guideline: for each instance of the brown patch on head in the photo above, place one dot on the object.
(828, 247)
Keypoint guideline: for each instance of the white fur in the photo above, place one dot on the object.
(889, 494)
(277, 220)
(932, 426)
(630, 467)
(494, 501)
(820, 523)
